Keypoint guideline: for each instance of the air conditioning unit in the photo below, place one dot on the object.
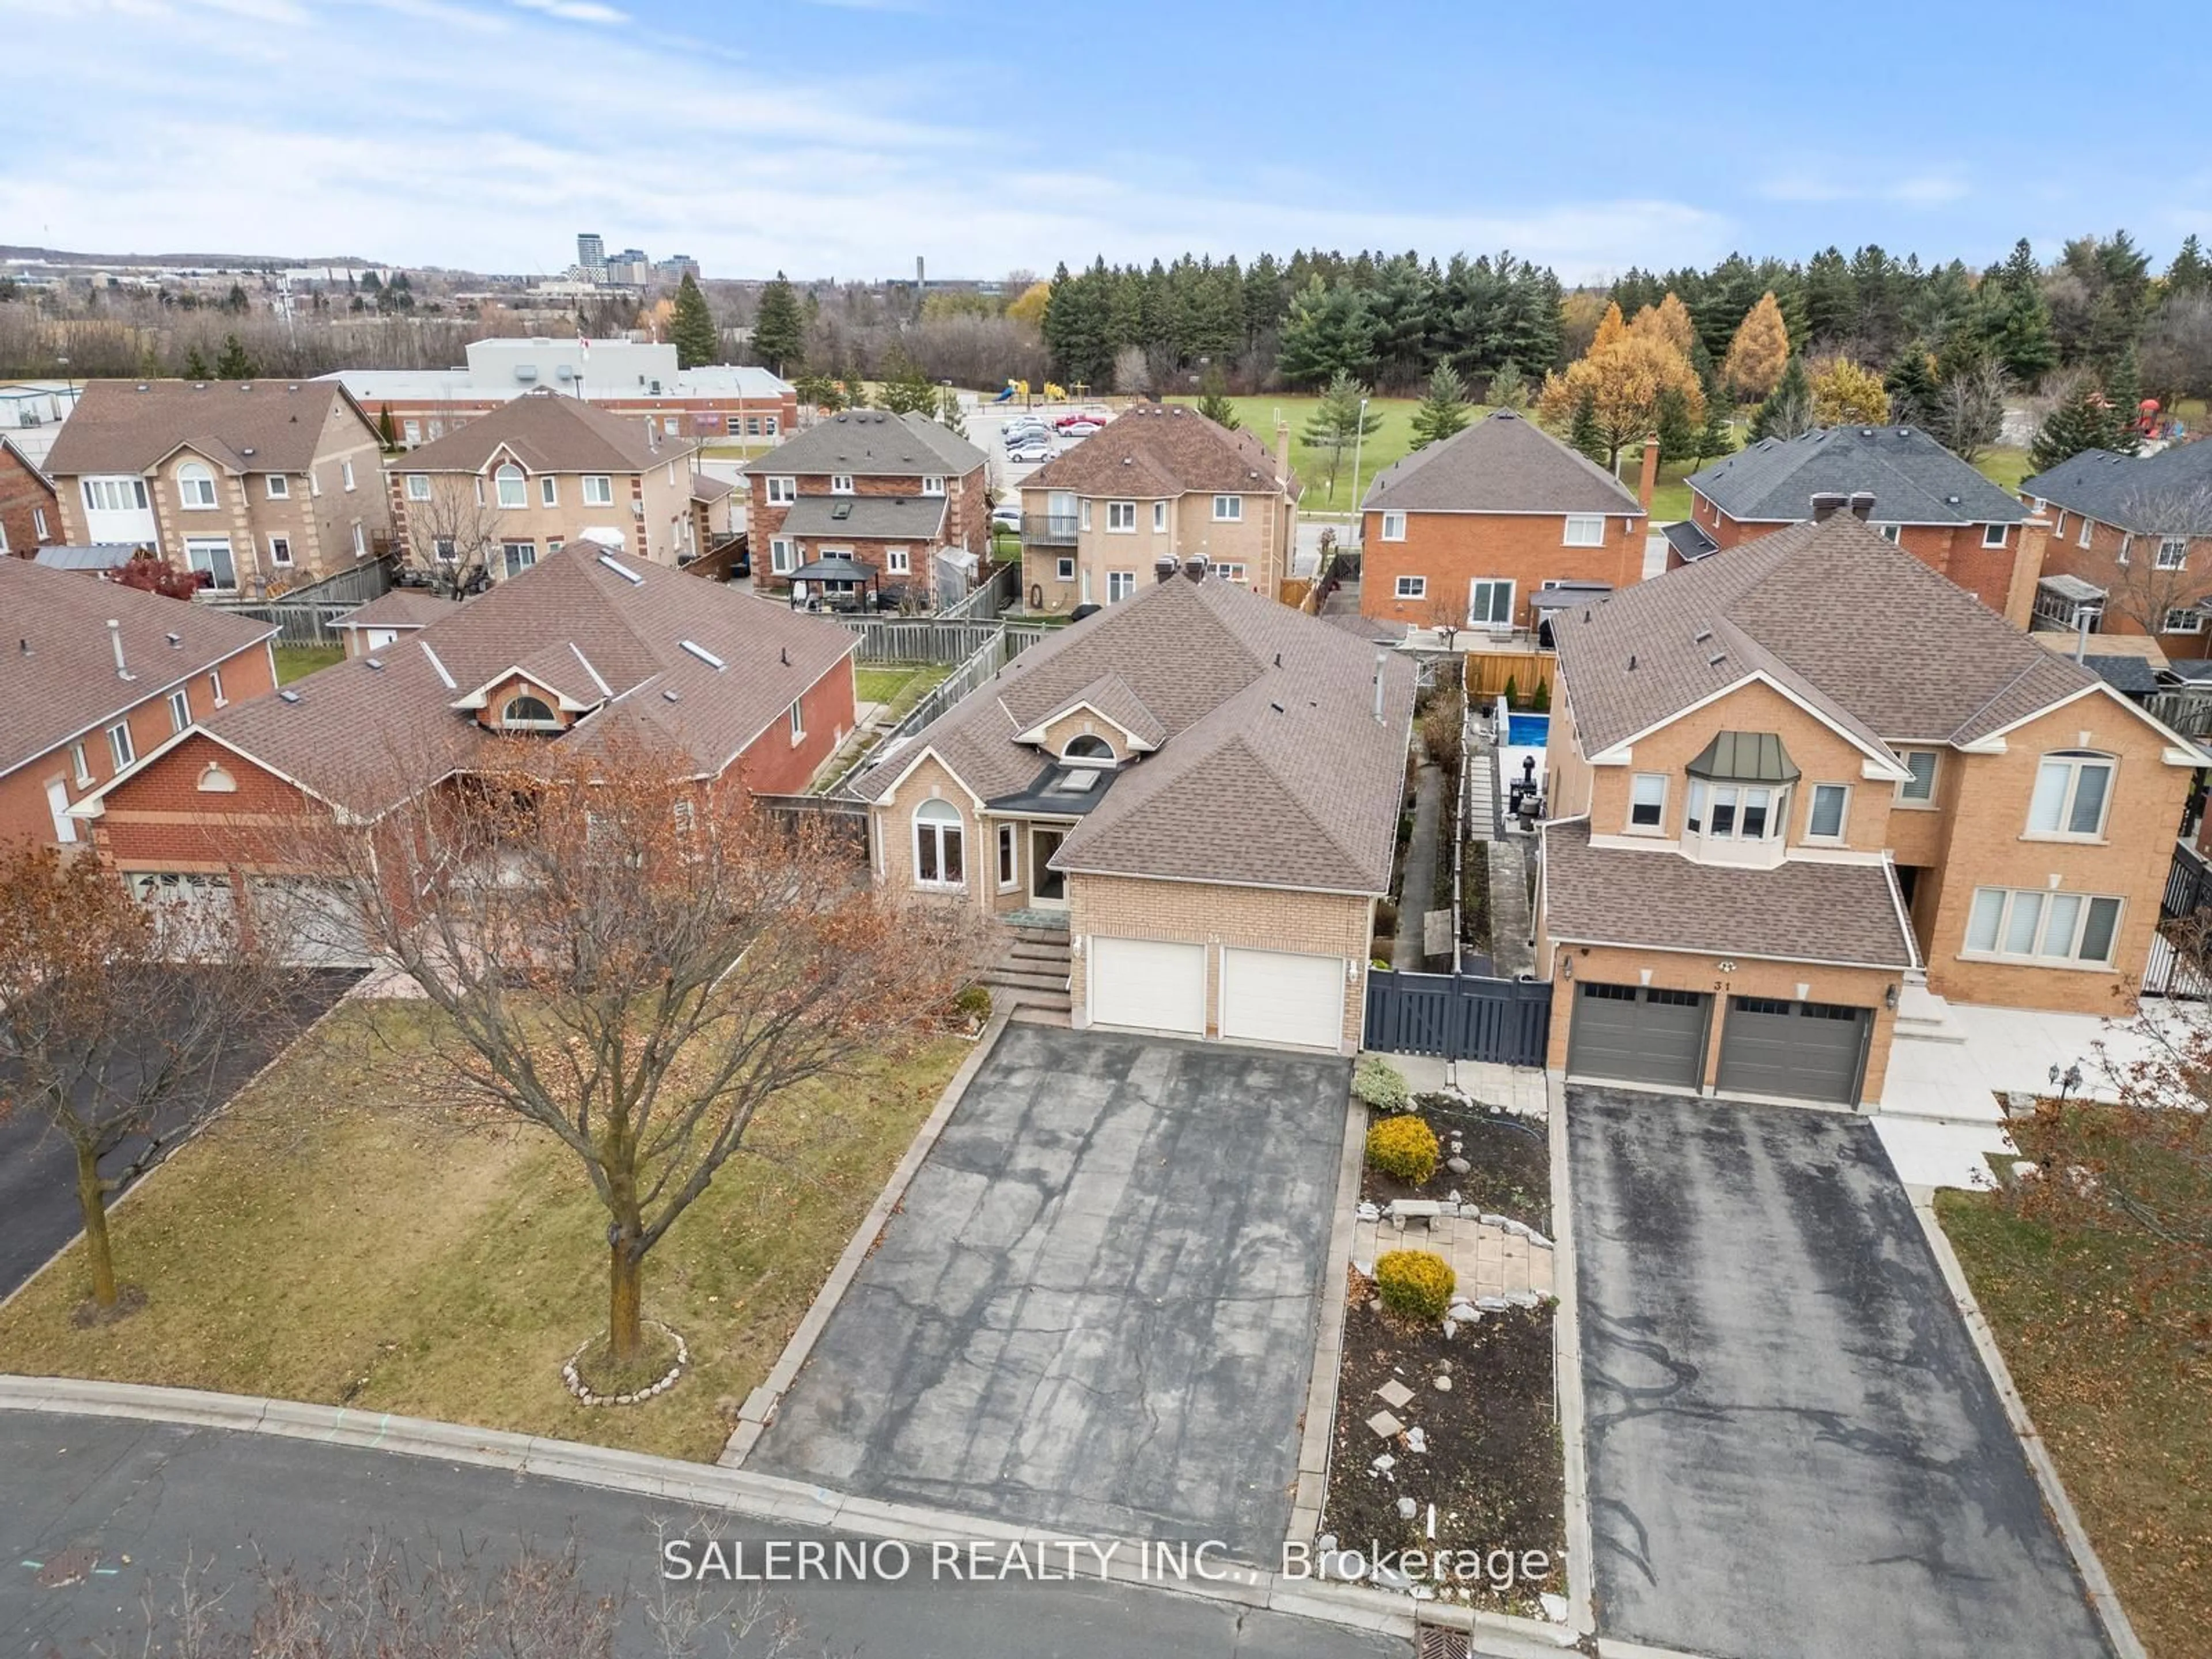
(526, 371)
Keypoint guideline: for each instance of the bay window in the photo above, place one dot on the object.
(1733, 811)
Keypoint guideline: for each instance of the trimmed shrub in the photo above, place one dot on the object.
(1378, 1084)
(1403, 1147)
(973, 1003)
(1415, 1283)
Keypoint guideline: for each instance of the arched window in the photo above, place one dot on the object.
(195, 485)
(2073, 793)
(214, 781)
(939, 857)
(512, 490)
(525, 713)
(1088, 747)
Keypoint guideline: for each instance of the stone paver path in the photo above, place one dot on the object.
(1486, 1261)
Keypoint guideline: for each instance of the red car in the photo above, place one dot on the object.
(1078, 426)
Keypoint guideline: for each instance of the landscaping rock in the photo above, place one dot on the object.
(1451, 1327)
(1391, 1578)
(1383, 1464)
(1555, 1606)
(1443, 1385)
(1492, 1303)
(1394, 1393)
(1408, 1509)
(1522, 1298)
(1416, 1441)
(1457, 1164)
(1369, 1210)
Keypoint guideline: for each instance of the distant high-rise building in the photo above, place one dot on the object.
(591, 251)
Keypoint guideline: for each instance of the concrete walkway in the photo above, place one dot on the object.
(1418, 896)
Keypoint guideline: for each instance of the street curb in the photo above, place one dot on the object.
(1319, 1433)
(2103, 1599)
(1567, 1373)
(760, 1407)
(220, 1112)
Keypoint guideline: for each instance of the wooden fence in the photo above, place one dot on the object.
(1488, 670)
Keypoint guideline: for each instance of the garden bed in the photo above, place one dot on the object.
(1508, 1163)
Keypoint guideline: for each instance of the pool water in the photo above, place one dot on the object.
(1526, 730)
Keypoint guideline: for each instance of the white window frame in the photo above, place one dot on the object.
(1121, 518)
(1925, 801)
(1229, 509)
(782, 492)
(1995, 912)
(410, 433)
(214, 688)
(510, 561)
(180, 710)
(345, 473)
(797, 718)
(896, 561)
(2192, 620)
(1638, 792)
(1159, 516)
(1583, 530)
(1891, 533)
(280, 550)
(418, 486)
(1740, 798)
(205, 546)
(39, 522)
(359, 540)
(782, 556)
(1231, 572)
(103, 494)
(446, 550)
(1393, 526)
(841, 483)
(196, 490)
(1120, 585)
(81, 764)
(934, 829)
(509, 473)
(1493, 583)
(549, 490)
(2069, 767)
(2173, 553)
(1413, 587)
(120, 749)
(1843, 814)
(1993, 534)
(2088, 530)
(1064, 570)
(1082, 513)
(933, 484)
(1009, 855)
(598, 489)
(279, 486)
(2127, 547)
(2059, 528)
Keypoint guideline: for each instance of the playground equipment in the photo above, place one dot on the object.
(1014, 389)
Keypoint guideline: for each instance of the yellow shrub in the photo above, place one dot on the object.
(1404, 1147)
(1415, 1283)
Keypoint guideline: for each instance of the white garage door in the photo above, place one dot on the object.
(1274, 996)
(310, 925)
(1149, 983)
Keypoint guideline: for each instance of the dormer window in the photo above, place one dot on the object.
(1089, 749)
(526, 713)
(841, 483)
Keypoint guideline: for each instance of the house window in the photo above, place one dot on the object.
(782, 492)
(1393, 526)
(599, 490)
(82, 765)
(215, 687)
(752, 426)
(519, 556)
(1489, 603)
(1120, 584)
(1919, 789)
(780, 560)
(1730, 812)
(280, 550)
(1228, 573)
(1824, 819)
(1008, 870)
(345, 473)
(39, 523)
(2059, 528)
(895, 562)
(1647, 801)
(1585, 530)
(1229, 509)
(2187, 620)
(549, 491)
(1121, 517)
(1084, 520)
(2045, 926)
(513, 492)
(119, 748)
(932, 486)
(672, 425)
(410, 433)
(939, 858)
(2088, 529)
(1889, 532)
(1065, 569)
(180, 710)
(445, 550)
(195, 485)
(1159, 516)
(767, 426)
(360, 541)
(419, 487)
(1993, 535)
(841, 483)
(2073, 790)
(280, 487)
(1088, 746)
(2173, 552)
(797, 718)
(525, 713)
(1413, 587)
(2127, 546)
(116, 495)
(212, 555)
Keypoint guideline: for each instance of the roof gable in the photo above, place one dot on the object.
(1162, 449)
(2168, 494)
(1912, 478)
(871, 443)
(1503, 463)
(248, 426)
(544, 432)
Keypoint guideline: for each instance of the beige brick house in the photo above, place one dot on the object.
(1160, 484)
(262, 484)
(1195, 794)
(1801, 788)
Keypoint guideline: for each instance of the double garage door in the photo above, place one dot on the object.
(1652, 1036)
(1279, 997)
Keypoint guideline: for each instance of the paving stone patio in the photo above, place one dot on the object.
(1486, 1261)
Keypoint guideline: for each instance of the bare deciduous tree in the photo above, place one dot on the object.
(2162, 573)
(1969, 408)
(450, 536)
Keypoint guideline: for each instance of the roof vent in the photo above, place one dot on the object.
(622, 570)
(377, 663)
(248, 450)
(1952, 500)
(669, 693)
(287, 694)
(143, 386)
(1866, 431)
(1277, 707)
(784, 656)
(24, 645)
(1698, 638)
(1632, 662)
(701, 653)
(1717, 659)
(176, 641)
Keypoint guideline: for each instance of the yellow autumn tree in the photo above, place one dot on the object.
(1759, 351)
(1668, 320)
(1030, 307)
(1580, 312)
(1623, 382)
(1610, 328)
(1846, 394)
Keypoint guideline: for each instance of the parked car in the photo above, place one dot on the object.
(1016, 434)
(1030, 451)
(1006, 515)
(1078, 425)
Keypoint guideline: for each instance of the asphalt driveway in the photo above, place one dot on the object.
(1795, 1452)
(1096, 1310)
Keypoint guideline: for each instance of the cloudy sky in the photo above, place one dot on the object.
(842, 137)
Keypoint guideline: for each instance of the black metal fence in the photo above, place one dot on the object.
(2188, 883)
(1459, 1017)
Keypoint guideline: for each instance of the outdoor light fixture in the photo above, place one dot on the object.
(1889, 998)
(1566, 968)
(2067, 1081)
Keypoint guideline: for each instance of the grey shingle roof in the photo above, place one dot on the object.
(548, 433)
(1690, 542)
(1271, 766)
(1859, 629)
(1504, 462)
(876, 518)
(1913, 479)
(129, 426)
(871, 443)
(2130, 676)
(1801, 910)
(2167, 494)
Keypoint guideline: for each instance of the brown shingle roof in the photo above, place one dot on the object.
(1861, 629)
(1271, 768)
(403, 607)
(1799, 911)
(1161, 449)
(246, 426)
(1504, 462)
(548, 434)
(65, 684)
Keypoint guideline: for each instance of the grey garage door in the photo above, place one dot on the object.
(1638, 1034)
(1798, 1050)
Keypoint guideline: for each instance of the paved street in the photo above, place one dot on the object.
(114, 1488)
(1095, 1309)
(1795, 1452)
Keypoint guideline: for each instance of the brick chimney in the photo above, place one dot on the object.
(2026, 570)
(1283, 449)
(1863, 505)
(1195, 567)
(1164, 567)
(1826, 504)
(1651, 472)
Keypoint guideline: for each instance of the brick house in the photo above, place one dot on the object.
(1187, 804)
(30, 511)
(1476, 527)
(535, 474)
(263, 484)
(1800, 790)
(1915, 493)
(584, 648)
(1159, 485)
(2130, 545)
(899, 494)
(96, 675)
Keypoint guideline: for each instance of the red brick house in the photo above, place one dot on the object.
(584, 649)
(2130, 544)
(898, 493)
(95, 675)
(1915, 494)
(30, 512)
(1475, 527)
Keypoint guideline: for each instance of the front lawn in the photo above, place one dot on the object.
(2124, 1417)
(350, 1234)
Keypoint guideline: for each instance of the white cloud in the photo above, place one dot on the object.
(574, 11)
(1810, 184)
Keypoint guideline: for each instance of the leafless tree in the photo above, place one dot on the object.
(2176, 348)
(2154, 582)
(450, 536)
(1969, 410)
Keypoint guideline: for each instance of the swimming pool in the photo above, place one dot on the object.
(1526, 730)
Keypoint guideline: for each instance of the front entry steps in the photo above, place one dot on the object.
(1923, 1016)
(1030, 973)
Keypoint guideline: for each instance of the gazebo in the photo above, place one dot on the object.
(842, 581)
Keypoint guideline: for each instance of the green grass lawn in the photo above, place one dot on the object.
(2004, 468)
(1389, 442)
(900, 684)
(351, 1234)
(2124, 1418)
(295, 662)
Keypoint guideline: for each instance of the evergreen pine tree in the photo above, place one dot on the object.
(1338, 424)
(1679, 436)
(234, 364)
(2123, 397)
(1508, 387)
(1584, 433)
(2191, 272)
(2082, 421)
(1214, 398)
(905, 389)
(1914, 395)
(1788, 410)
(387, 432)
(692, 330)
(1717, 437)
(1442, 410)
(196, 367)
(779, 330)
(2021, 337)
(948, 412)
